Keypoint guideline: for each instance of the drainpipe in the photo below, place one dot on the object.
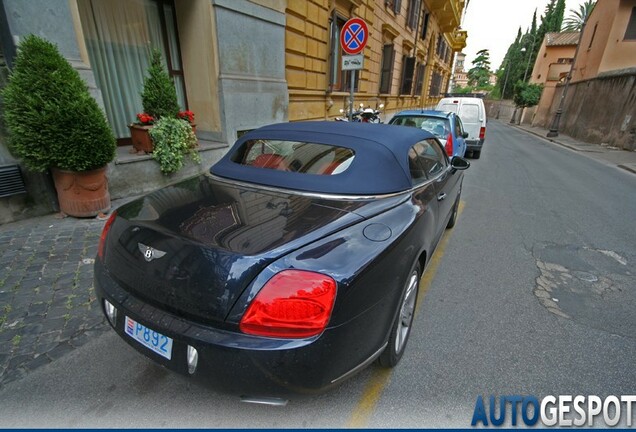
(415, 38)
(6, 40)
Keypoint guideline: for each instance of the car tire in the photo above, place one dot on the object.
(453, 218)
(401, 328)
(476, 154)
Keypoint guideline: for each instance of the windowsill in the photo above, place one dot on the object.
(342, 92)
(124, 155)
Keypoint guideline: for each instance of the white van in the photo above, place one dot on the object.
(472, 112)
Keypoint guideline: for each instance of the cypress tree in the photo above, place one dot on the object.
(557, 17)
(159, 96)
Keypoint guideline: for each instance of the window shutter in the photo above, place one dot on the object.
(397, 4)
(420, 79)
(388, 57)
(407, 75)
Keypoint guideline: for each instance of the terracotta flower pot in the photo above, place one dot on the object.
(82, 194)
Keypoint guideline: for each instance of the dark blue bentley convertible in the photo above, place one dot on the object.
(292, 265)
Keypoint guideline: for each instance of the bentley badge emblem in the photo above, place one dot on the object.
(150, 253)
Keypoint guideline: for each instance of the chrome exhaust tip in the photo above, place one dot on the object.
(272, 401)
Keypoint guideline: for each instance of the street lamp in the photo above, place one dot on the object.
(503, 91)
(525, 73)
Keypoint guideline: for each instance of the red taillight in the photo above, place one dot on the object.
(482, 133)
(449, 145)
(102, 239)
(292, 304)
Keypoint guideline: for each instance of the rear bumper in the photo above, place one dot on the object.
(238, 363)
(472, 145)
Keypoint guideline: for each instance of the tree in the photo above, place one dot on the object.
(522, 53)
(479, 74)
(557, 17)
(551, 19)
(512, 67)
(574, 22)
(527, 95)
(159, 97)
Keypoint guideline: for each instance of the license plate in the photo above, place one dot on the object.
(149, 338)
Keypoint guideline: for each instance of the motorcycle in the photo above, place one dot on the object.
(363, 115)
(344, 116)
(370, 115)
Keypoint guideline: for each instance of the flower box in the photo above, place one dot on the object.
(140, 137)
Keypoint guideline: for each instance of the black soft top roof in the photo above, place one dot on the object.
(380, 165)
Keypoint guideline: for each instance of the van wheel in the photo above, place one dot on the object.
(476, 154)
(401, 328)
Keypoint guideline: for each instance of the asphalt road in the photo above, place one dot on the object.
(532, 293)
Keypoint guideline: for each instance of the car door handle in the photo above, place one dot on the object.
(441, 197)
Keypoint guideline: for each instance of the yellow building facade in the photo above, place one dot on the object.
(407, 59)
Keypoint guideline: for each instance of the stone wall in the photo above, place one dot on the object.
(499, 109)
(600, 110)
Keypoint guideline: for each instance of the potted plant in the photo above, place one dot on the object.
(158, 98)
(139, 132)
(54, 123)
(173, 138)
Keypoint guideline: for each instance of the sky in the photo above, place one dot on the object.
(493, 25)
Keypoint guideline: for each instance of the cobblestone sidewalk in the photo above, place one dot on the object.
(47, 301)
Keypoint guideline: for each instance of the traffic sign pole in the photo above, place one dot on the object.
(353, 83)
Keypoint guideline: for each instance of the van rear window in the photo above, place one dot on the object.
(469, 113)
(448, 107)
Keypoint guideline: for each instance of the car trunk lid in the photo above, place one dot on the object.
(193, 248)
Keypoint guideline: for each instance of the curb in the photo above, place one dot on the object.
(552, 140)
(628, 168)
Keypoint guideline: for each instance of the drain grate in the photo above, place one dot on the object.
(11, 181)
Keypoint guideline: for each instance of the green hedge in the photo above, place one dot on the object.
(52, 119)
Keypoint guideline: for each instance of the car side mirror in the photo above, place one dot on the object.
(465, 135)
(459, 163)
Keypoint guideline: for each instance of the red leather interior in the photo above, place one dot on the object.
(270, 161)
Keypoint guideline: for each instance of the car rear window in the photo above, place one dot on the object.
(300, 157)
(440, 127)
